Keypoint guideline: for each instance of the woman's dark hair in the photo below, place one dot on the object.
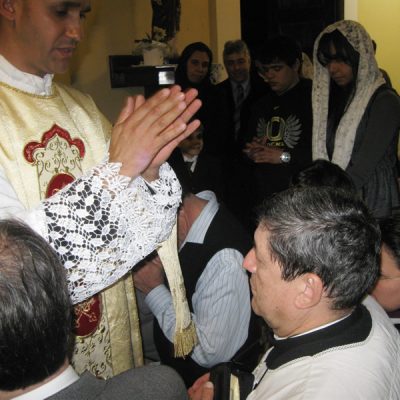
(181, 77)
(344, 50)
(339, 98)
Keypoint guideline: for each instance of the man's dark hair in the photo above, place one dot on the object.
(280, 48)
(324, 173)
(390, 231)
(35, 309)
(327, 232)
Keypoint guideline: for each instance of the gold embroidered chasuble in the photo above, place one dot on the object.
(45, 143)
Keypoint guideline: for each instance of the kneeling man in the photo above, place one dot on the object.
(316, 255)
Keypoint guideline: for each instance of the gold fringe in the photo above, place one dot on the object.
(185, 337)
(185, 340)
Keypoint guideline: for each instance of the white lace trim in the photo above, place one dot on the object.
(101, 225)
(369, 78)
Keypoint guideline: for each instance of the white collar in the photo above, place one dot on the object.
(65, 379)
(318, 328)
(23, 81)
(189, 158)
(198, 230)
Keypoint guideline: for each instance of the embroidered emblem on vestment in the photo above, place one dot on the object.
(87, 316)
(57, 159)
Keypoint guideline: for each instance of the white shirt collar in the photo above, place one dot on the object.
(315, 329)
(189, 158)
(65, 379)
(23, 81)
(192, 160)
(198, 230)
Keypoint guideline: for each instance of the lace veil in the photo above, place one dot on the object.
(369, 78)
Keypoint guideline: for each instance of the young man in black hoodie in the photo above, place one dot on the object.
(280, 128)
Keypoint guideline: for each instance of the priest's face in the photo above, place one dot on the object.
(43, 33)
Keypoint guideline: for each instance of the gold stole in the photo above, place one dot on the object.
(45, 143)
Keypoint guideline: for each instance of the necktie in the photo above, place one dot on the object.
(239, 95)
(189, 165)
(239, 101)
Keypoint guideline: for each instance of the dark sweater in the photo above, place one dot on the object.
(285, 122)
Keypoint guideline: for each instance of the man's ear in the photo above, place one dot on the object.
(7, 9)
(310, 291)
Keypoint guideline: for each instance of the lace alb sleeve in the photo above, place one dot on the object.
(101, 225)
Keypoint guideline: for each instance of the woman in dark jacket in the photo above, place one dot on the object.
(194, 67)
(193, 71)
(356, 117)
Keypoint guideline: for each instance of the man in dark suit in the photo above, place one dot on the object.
(35, 326)
(231, 101)
(226, 123)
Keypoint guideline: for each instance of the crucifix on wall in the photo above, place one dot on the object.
(166, 19)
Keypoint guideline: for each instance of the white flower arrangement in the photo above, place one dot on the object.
(150, 43)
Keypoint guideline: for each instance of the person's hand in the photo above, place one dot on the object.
(202, 389)
(147, 131)
(193, 106)
(251, 148)
(263, 154)
(149, 276)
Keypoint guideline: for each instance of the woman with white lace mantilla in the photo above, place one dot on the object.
(356, 116)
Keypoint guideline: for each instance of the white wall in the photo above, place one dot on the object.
(351, 9)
